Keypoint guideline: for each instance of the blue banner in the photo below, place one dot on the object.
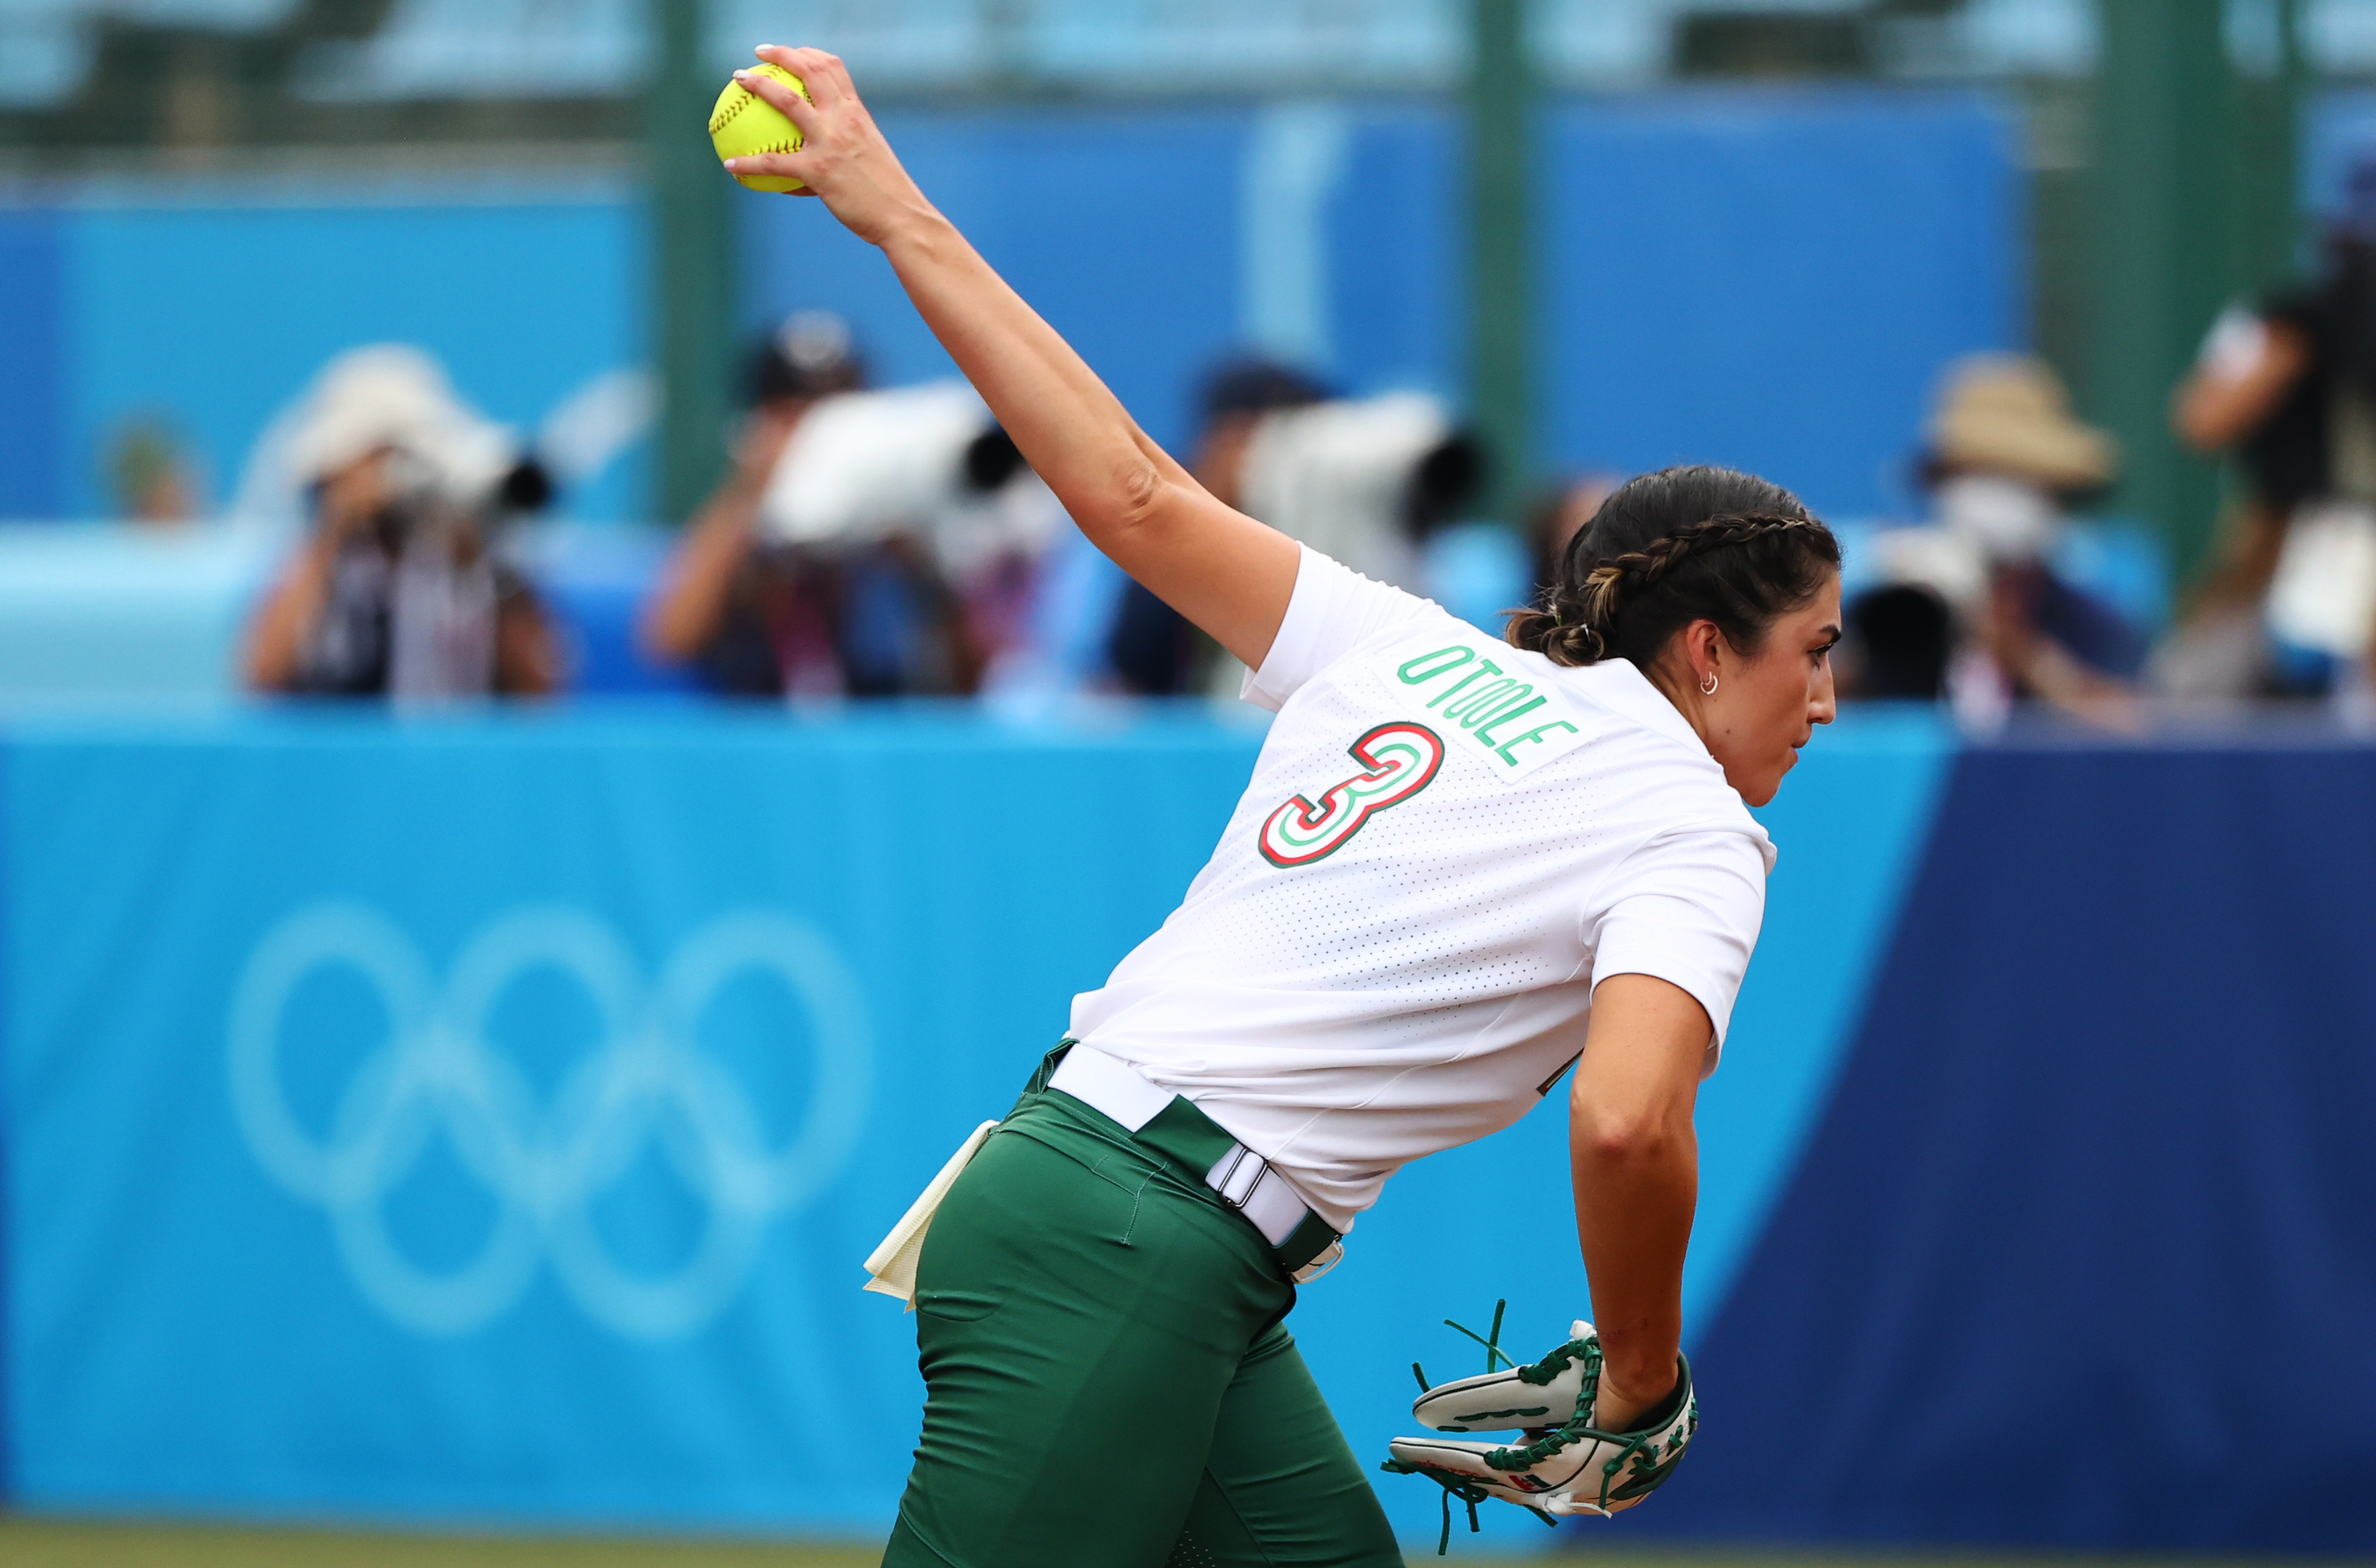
(2078, 1254)
(482, 1120)
(470, 1118)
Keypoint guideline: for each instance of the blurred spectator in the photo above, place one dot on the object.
(1557, 517)
(1379, 483)
(399, 590)
(1898, 643)
(1342, 476)
(2005, 456)
(999, 548)
(2289, 386)
(1153, 651)
(763, 616)
(1235, 397)
(1367, 482)
(150, 473)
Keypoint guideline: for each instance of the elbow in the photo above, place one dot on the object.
(1619, 1145)
(1643, 1136)
(1133, 501)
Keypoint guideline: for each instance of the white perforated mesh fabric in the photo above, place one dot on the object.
(1412, 984)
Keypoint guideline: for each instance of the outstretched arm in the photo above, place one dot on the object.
(285, 619)
(1224, 571)
(2244, 373)
(1635, 1162)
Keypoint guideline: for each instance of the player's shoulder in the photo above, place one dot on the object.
(1649, 762)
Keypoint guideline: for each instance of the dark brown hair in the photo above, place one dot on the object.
(1673, 547)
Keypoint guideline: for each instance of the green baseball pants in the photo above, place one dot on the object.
(1109, 1380)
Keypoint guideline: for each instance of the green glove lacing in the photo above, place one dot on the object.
(1453, 1483)
(1650, 1462)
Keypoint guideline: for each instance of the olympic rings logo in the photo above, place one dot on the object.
(647, 1083)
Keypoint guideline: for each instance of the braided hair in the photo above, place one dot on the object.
(1670, 548)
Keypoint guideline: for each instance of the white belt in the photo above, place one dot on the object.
(1246, 1182)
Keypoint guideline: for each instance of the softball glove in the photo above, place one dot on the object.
(1563, 1464)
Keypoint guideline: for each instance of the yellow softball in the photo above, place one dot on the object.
(743, 123)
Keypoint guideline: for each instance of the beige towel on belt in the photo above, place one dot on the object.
(892, 1265)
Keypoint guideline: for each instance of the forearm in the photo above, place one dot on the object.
(276, 638)
(2086, 695)
(685, 614)
(1634, 1159)
(527, 662)
(1635, 1191)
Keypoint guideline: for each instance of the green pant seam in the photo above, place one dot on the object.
(1221, 1489)
(1138, 1195)
(922, 1539)
(1160, 1173)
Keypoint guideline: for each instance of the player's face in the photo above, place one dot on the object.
(1767, 705)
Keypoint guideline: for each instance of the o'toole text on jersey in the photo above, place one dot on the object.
(1516, 725)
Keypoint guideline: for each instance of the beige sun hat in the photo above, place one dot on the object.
(2009, 414)
(395, 396)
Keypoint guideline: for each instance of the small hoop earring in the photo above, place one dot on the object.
(1707, 687)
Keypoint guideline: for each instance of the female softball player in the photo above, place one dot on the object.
(1461, 864)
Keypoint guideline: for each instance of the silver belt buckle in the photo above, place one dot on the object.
(1223, 1177)
(1248, 1183)
(1330, 1256)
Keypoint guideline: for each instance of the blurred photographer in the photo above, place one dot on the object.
(1151, 649)
(1366, 481)
(1557, 515)
(833, 604)
(399, 590)
(2288, 386)
(1973, 606)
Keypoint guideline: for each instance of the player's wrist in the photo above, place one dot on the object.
(913, 229)
(1632, 1391)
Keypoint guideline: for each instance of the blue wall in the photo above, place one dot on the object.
(2079, 1254)
(1127, 231)
(219, 315)
(1766, 279)
(1770, 280)
(1119, 228)
(206, 1316)
(211, 305)
(1774, 283)
(464, 1119)
(33, 364)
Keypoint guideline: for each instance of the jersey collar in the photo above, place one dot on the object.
(1619, 686)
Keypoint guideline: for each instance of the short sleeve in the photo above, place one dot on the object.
(1685, 908)
(1333, 608)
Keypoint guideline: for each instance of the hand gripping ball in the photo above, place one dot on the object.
(743, 124)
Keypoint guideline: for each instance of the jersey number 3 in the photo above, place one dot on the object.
(1398, 761)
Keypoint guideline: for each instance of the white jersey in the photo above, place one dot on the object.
(1447, 844)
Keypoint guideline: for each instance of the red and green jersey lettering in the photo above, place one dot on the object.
(1398, 760)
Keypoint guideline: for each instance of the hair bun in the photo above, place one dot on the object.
(1624, 588)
